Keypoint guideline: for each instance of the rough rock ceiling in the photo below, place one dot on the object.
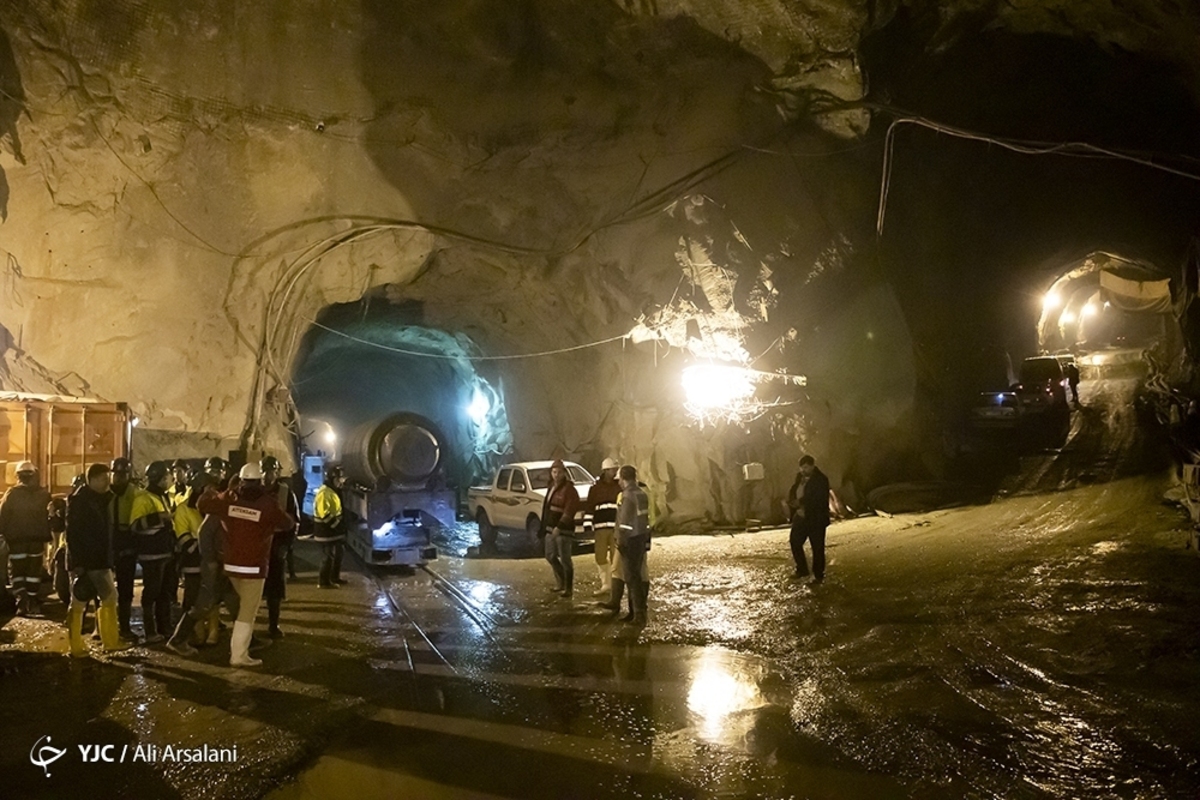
(184, 189)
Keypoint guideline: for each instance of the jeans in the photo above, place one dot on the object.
(633, 567)
(559, 550)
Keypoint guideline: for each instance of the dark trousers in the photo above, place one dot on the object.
(275, 586)
(815, 535)
(125, 569)
(26, 558)
(633, 556)
(331, 562)
(191, 589)
(157, 582)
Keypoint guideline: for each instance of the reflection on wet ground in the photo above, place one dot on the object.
(1041, 646)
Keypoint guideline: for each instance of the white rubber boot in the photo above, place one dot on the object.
(239, 646)
(605, 581)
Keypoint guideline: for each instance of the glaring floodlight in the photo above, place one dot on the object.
(1067, 318)
(1090, 310)
(1051, 301)
(479, 407)
(710, 386)
(330, 437)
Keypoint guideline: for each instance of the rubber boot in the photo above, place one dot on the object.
(560, 580)
(605, 580)
(239, 646)
(110, 635)
(199, 634)
(214, 627)
(75, 630)
(615, 595)
(124, 614)
(149, 628)
(22, 602)
(273, 604)
(336, 577)
(178, 641)
(639, 617)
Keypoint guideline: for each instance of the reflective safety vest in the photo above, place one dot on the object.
(177, 496)
(328, 522)
(633, 516)
(122, 510)
(152, 526)
(602, 505)
(187, 537)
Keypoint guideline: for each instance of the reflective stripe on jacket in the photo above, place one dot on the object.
(329, 524)
(152, 527)
(633, 516)
(187, 537)
(251, 516)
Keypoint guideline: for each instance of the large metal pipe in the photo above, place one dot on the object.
(402, 451)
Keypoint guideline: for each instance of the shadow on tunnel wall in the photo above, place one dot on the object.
(523, 120)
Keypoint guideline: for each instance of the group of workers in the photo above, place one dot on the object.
(617, 514)
(227, 538)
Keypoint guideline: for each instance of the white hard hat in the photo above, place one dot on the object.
(609, 463)
(251, 472)
(26, 466)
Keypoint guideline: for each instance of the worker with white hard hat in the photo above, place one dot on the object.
(25, 526)
(600, 518)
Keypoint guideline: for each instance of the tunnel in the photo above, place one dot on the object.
(664, 199)
(944, 256)
(362, 364)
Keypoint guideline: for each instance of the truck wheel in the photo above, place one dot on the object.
(532, 526)
(487, 531)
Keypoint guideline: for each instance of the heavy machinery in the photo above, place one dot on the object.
(60, 435)
(395, 493)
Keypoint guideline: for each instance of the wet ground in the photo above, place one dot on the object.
(1044, 645)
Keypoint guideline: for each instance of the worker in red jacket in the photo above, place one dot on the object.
(251, 515)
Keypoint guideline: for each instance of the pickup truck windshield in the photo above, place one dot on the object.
(540, 478)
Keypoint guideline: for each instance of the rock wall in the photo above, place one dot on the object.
(184, 189)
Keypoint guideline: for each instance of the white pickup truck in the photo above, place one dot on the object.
(513, 500)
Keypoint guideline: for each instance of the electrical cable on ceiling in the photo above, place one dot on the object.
(1071, 149)
(444, 357)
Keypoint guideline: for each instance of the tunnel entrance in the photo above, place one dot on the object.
(388, 397)
(1106, 308)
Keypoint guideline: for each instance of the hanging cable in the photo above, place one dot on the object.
(1025, 147)
(444, 357)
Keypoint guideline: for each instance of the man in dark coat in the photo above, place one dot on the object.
(809, 502)
(1072, 373)
(91, 560)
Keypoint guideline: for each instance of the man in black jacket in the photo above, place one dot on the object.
(90, 558)
(809, 502)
